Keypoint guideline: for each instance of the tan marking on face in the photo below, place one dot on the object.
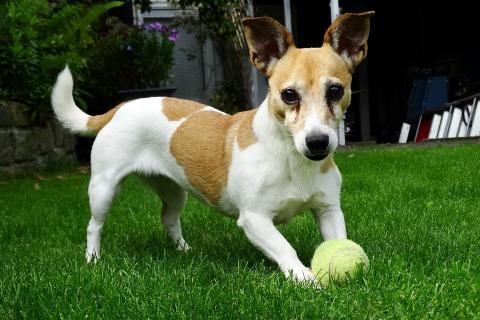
(175, 109)
(296, 118)
(328, 164)
(203, 146)
(96, 123)
(276, 109)
(304, 69)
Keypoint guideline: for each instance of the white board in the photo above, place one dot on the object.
(454, 123)
(462, 132)
(433, 133)
(404, 133)
(475, 130)
(442, 132)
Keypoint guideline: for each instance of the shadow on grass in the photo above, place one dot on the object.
(213, 248)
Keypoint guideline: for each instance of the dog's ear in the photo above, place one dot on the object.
(267, 42)
(348, 36)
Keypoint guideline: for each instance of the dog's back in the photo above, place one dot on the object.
(186, 141)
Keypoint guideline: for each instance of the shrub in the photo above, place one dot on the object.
(131, 57)
(37, 39)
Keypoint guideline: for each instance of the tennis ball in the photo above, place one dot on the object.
(338, 260)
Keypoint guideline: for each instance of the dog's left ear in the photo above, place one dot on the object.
(348, 36)
(267, 42)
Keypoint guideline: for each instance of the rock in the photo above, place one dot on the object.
(6, 147)
(69, 142)
(8, 171)
(5, 119)
(26, 144)
(13, 114)
(46, 138)
(59, 133)
(25, 148)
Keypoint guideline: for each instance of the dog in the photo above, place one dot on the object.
(261, 167)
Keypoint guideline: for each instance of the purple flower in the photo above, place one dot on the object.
(164, 28)
(173, 37)
(172, 33)
(154, 26)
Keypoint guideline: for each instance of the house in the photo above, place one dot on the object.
(409, 40)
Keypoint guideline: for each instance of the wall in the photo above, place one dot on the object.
(25, 147)
(196, 70)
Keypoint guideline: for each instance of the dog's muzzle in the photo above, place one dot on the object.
(317, 145)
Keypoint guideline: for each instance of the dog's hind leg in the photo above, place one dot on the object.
(101, 191)
(173, 200)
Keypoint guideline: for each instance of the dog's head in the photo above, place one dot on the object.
(309, 88)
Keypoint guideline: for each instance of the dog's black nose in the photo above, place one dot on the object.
(318, 143)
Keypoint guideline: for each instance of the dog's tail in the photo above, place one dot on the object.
(69, 114)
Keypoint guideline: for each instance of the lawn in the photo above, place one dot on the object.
(415, 212)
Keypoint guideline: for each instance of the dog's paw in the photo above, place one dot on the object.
(302, 275)
(92, 257)
(183, 247)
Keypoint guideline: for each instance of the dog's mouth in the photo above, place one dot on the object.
(317, 157)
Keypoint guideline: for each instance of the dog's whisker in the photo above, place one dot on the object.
(359, 91)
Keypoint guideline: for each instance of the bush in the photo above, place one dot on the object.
(130, 57)
(37, 39)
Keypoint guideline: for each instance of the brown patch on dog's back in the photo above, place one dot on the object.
(327, 165)
(203, 144)
(96, 123)
(245, 135)
(175, 109)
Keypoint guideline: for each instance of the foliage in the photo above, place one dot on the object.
(213, 19)
(37, 39)
(220, 21)
(229, 97)
(130, 57)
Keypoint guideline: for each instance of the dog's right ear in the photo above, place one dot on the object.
(267, 42)
(348, 36)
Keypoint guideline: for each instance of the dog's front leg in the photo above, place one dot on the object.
(261, 231)
(330, 222)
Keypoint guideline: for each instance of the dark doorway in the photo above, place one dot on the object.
(413, 39)
(408, 40)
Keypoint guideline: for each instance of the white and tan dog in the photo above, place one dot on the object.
(261, 167)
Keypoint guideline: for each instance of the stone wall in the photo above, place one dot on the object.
(25, 147)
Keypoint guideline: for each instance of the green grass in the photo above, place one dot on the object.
(415, 212)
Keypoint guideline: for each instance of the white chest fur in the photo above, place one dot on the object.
(289, 208)
(271, 177)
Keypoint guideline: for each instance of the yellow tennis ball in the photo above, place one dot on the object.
(338, 260)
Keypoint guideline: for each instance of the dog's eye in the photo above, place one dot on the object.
(334, 92)
(290, 96)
